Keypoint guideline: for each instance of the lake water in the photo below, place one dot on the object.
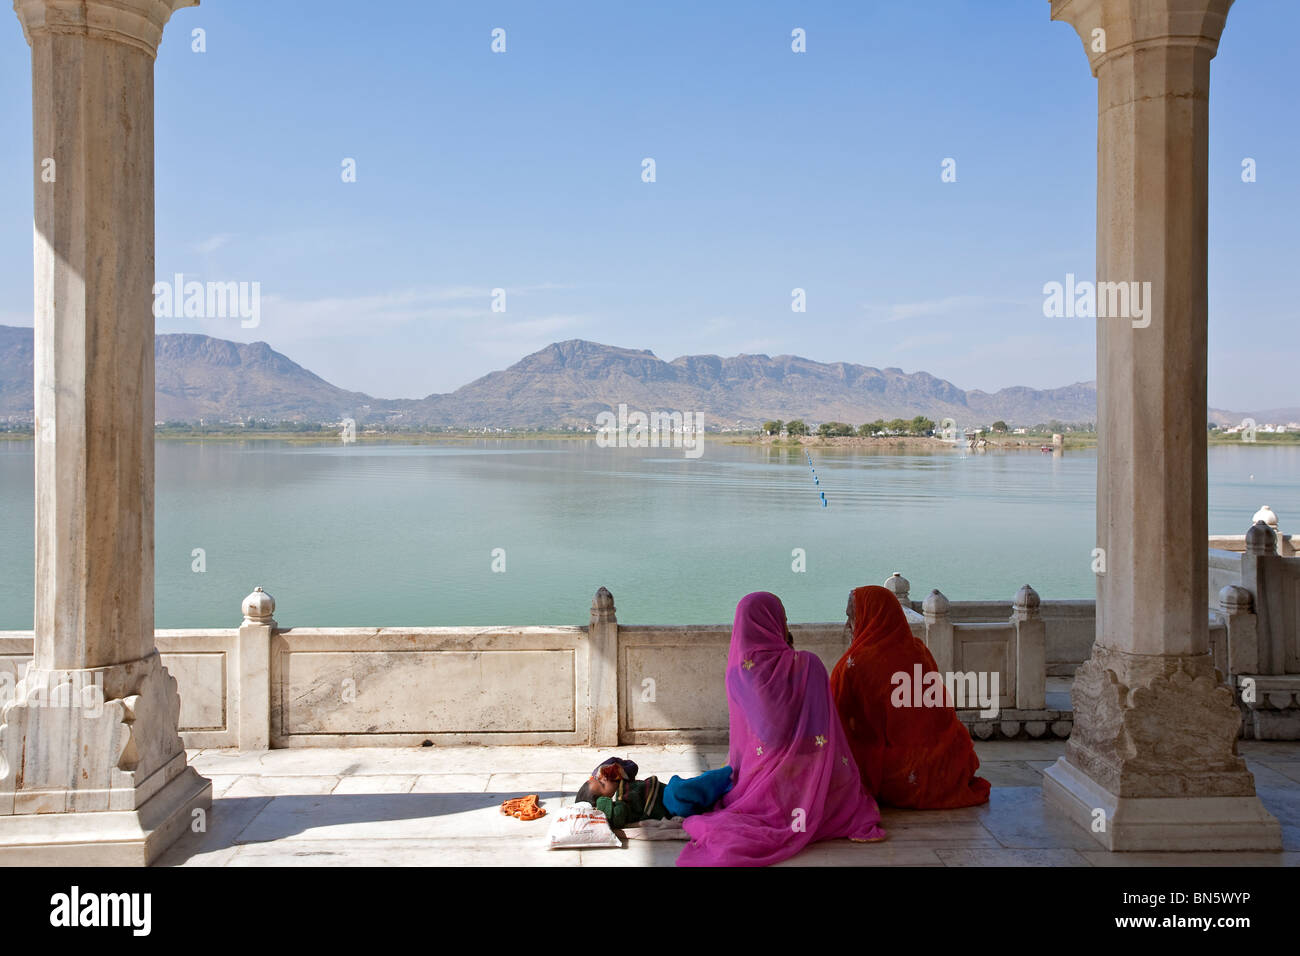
(386, 534)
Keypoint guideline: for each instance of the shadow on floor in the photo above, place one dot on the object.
(239, 821)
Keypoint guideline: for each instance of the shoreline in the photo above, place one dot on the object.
(916, 442)
(1030, 442)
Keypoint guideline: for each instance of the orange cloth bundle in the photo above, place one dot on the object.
(523, 808)
(918, 757)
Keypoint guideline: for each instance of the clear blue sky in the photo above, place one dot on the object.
(775, 170)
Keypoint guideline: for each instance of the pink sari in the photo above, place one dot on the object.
(795, 779)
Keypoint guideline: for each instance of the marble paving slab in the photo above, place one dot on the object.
(1010, 773)
(216, 845)
(1009, 857)
(447, 852)
(441, 806)
(377, 783)
(250, 785)
(994, 750)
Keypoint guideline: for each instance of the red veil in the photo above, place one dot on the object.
(910, 756)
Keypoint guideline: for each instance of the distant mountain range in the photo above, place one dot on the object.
(569, 383)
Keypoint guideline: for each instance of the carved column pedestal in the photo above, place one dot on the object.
(92, 770)
(1154, 748)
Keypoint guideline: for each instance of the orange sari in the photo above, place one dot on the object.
(919, 757)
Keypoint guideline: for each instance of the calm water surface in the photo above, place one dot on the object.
(404, 534)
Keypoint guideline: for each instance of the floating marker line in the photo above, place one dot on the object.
(816, 480)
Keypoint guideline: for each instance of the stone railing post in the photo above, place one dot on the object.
(602, 672)
(1261, 542)
(1261, 539)
(1281, 542)
(1031, 650)
(900, 587)
(253, 687)
(1242, 653)
(938, 630)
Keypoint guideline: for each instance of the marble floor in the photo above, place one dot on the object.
(440, 806)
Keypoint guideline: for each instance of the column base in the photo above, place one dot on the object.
(106, 838)
(1177, 824)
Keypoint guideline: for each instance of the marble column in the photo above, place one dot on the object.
(1152, 762)
(92, 769)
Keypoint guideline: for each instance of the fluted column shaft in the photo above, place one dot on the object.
(92, 111)
(1153, 748)
(1152, 63)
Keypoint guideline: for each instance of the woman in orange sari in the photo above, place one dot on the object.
(920, 757)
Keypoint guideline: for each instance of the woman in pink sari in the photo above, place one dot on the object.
(795, 779)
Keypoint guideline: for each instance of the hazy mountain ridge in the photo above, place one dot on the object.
(569, 383)
(197, 376)
(16, 370)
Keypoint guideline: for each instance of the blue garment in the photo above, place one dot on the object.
(685, 798)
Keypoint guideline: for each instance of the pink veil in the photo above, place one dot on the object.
(795, 779)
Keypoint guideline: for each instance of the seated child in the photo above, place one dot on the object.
(614, 790)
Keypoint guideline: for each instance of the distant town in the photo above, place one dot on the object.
(796, 430)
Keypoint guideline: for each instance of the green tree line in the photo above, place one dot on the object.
(920, 425)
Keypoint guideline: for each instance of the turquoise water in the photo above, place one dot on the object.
(404, 534)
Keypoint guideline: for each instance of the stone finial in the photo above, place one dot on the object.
(900, 586)
(1027, 602)
(602, 607)
(1261, 539)
(1266, 515)
(935, 605)
(258, 608)
(1235, 599)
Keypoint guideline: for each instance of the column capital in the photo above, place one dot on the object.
(137, 23)
(1113, 28)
